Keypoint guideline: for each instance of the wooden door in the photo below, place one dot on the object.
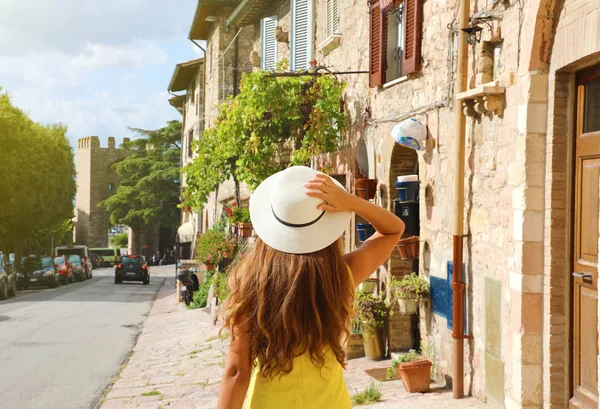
(585, 242)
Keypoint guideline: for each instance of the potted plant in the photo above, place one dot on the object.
(355, 347)
(414, 369)
(408, 247)
(208, 248)
(371, 313)
(227, 248)
(366, 188)
(408, 291)
(241, 217)
(230, 217)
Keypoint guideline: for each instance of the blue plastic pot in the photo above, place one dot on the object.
(408, 191)
(365, 230)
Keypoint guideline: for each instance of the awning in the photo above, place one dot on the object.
(183, 74)
(186, 232)
(247, 13)
(200, 27)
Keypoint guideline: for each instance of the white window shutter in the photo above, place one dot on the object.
(335, 16)
(268, 59)
(329, 13)
(302, 34)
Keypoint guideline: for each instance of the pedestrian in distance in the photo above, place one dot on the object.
(291, 299)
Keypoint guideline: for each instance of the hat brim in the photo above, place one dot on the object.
(295, 240)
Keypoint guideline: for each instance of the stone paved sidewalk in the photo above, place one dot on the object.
(178, 361)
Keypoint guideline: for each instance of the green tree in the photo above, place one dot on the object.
(119, 240)
(271, 123)
(37, 186)
(149, 192)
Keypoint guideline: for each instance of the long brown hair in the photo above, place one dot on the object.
(292, 304)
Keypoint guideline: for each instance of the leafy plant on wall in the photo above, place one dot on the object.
(273, 122)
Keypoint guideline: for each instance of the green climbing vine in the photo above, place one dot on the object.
(273, 122)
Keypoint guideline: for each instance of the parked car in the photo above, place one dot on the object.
(39, 271)
(132, 268)
(110, 256)
(97, 261)
(65, 269)
(77, 265)
(8, 283)
(82, 251)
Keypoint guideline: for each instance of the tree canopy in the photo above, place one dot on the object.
(149, 192)
(273, 122)
(37, 181)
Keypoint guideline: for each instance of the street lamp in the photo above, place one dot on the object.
(473, 34)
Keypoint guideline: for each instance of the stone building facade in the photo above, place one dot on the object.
(96, 181)
(531, 171)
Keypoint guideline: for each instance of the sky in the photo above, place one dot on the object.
(97, 66)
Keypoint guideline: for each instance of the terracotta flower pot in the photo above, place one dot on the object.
(228, 254)
(374, 344)
(409, 247)
(209, 266)
(415, 375)
(366, 188)
(245, 229)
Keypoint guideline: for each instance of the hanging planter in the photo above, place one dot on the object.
(244, 229)
(228, 254)
(408, 306)
(409, 247)
(366, 188)
(209, 266)
(364, 230)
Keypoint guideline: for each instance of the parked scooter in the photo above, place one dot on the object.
(189, 284)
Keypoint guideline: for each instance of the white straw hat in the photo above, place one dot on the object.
(288, 220)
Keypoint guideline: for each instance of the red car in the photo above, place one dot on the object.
(65, 269)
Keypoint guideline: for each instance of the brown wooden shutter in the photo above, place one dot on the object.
(376, 69)
(412, 36)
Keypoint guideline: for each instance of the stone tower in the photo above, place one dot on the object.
(96, 181)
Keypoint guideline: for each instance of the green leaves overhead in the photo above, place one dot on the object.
(37, 180)
(273, 122)
(149, 191)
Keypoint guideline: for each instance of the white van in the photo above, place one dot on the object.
(82, 251)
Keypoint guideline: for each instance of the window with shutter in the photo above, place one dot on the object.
(332, 12)
(376, 69)
(395, 39)
(302, 34)
(268, 59)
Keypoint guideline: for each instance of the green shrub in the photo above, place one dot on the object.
(201, 296)
(371, 394)
(221, 283)
(411, 286)
(371, 311)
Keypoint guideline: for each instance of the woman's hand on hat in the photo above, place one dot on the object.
(322, 187)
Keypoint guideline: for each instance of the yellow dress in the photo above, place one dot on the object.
(304, 388)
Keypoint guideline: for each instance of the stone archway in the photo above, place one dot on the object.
(542, 199)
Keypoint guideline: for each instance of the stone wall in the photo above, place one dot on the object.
(96, 181)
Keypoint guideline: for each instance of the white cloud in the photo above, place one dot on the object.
(99, 55)
(70, 25)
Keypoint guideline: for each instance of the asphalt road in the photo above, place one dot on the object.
(60, 348)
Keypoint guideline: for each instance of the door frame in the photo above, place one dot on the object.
(577, 106)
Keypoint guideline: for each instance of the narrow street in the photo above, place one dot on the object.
(60, 348)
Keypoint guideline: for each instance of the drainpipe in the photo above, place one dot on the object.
(198, 45)
(458, 286)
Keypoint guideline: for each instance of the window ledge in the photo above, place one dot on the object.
(396, 81)
(330, 44)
